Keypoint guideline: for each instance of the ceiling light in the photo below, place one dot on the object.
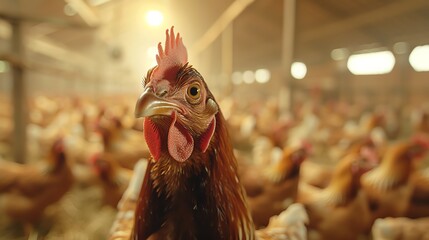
(154, 18)
(419, 58)
(248, 77)
(237, 78)
(298, 70)
(373, 63)
(262, 75)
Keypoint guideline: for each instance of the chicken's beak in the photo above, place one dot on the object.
(149, 105)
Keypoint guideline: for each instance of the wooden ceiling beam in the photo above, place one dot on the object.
(86, 12)
(394, 9)
(47, 47)
(54, 21)
(226, 18)
(339, 14)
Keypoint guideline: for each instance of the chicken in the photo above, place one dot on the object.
(190, 189)
(422, 124)
(367, 123)
(27, 190)
(263, 154)
(118, 145)
(400, 229)
(271, 190)
(419, 203)
(113, 178)
(319, 175)
(333, 210)
(289, 224)
(315, 174)
(389, 186)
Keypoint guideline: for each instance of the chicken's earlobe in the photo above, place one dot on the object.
(207, 135)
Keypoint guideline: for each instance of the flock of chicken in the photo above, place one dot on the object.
(354, 173)
(71, 144)
(349, 170)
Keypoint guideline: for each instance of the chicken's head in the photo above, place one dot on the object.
(57, 157)
(178, 109)
(365, 160)
(101, 166)
(416, 148)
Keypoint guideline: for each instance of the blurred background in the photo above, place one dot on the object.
(283, 71)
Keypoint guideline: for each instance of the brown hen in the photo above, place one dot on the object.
(28, 190)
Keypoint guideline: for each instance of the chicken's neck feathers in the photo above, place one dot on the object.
(205, 186)
(341, 190)
(393, 171)
(344, 184)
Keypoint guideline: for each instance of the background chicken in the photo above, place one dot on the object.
(319, 174)
(333, 210)
(113, 178)
(400, 229)
(271, 189)
(419, 202)
(26, 190)
(389, 186)
(121, 144)
(289, 224)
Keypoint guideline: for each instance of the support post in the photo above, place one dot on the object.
(227, 57)
(19, 96)
(288, 41)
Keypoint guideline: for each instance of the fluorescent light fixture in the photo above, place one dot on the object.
(154, 18)
(298, 70)
(373, 63)
(237, 78)
(262, 75)
(419, 58)
(248, 77)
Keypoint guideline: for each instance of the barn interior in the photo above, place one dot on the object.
(322, 76)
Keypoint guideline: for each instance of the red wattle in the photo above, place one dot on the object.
(180, 142)
(152, 137)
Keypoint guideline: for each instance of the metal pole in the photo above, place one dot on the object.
(19, 96)
(227, 57)
(288, 36)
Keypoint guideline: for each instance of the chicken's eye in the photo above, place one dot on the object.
(194, 93)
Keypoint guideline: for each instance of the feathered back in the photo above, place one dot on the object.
(170, 59)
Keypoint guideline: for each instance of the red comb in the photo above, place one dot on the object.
(306, 145)
(93, 158)
(172, 58)
(421, 140)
